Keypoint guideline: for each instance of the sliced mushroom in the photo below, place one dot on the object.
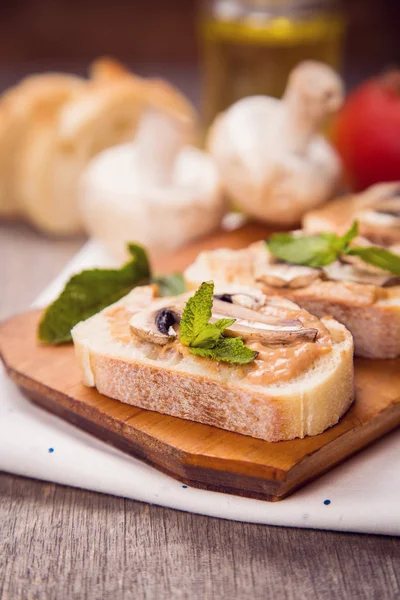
(288, 276)
(249, 298)
(254, 326)
(390, 206)
(281, 302)
(273, 335)
(373, 196)
(384, 212)
(156, 324)
(338, 271)
(377, 218)
(392, 282)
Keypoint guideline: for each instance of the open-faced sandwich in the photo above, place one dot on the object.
(232, 357)
(327, 274)
(377, 211)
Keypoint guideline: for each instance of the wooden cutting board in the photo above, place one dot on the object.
(200, 455)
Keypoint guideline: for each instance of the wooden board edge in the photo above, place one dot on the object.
(185, 467)
(206, 478)
(193, 475)
(196, 477)
(346, 446)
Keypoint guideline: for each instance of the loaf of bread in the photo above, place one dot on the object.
(300, 383)
(37, 98)
(51, 125)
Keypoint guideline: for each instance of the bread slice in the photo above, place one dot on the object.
(36, 97)
(370, 312)
(368, 208)
(170, 380)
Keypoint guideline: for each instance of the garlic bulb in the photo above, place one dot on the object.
(158, 191)
(271, 159)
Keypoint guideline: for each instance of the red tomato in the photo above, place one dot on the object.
(367, 132)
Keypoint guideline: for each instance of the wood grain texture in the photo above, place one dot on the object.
(57, 542)
(60, 543)
(199, 455)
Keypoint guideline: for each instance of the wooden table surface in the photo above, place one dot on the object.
(66, 544)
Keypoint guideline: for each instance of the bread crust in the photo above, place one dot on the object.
(375, 327)
(199, 393)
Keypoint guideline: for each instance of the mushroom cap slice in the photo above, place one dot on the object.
(283, 275)
(383, 211)
(384, 217)
(144, 325)
(390, 206)
(252, 298)
(255, 326)
(272, 335)
(156, 324)
(338, 271)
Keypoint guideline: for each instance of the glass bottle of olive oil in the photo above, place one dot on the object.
(250, 46)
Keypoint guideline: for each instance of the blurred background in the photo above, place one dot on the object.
(161, 37)
(215, 52)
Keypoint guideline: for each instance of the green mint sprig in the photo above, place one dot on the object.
(323, 249)
(378, 257)
(312, 250)
(170, 285)
(92, 290)
(207, 339)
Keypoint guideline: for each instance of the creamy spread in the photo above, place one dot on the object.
(118, 319)
(274, 363)
(286, 362)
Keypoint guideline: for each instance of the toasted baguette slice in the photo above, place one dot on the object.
(168, 379)
(370, 312)
(370, 209)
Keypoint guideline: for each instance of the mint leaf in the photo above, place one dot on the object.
(378, 257)
(348, 237)
(222, 324)
(170, 285)
(197, 313)
(206, 339)
(312, 250)
(210, 335)
(139, 260)
(323, 249)
(228, 349)
(90, 291)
